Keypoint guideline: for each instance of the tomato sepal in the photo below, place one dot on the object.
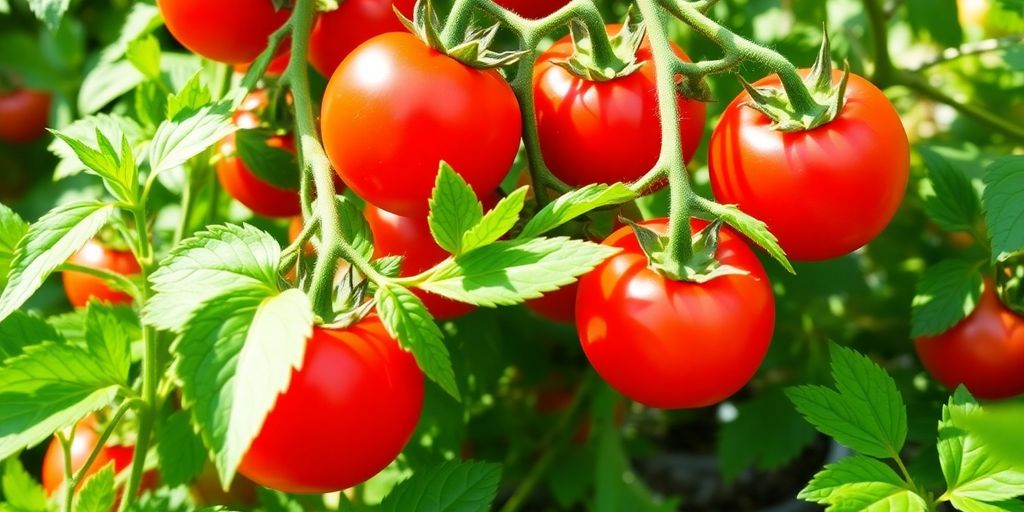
(585, 64)
(475, 48)
(828, 97)
(701, 267)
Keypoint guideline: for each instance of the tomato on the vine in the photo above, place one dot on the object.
(395, 108)
(533, 9)
(823, 192)
(337, 33)
(557, 306)
(25, 114)
(80, 287)
(347, 413)
(410, 237)
(984, 351)
(604, 132)
(675, 344)
(240, 181)
(229, 31)
(82, 446)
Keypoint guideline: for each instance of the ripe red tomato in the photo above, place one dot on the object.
(25, 114)
(822, 192)
(276, 68)
(230, 31)
(395, 108)
(81, 287)
(557, 306)
(534, 9)
(604, 132)
(82, 446)
(984, 352)
(358, 395)
(410, 237)
(674, 344)
(337, 33)
(259, 196)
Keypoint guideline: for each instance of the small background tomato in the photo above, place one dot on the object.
(394, 235)
(822, 192)
(82, 446)
(25, 114)
(337, 33)
(557, 306)
(604, 132)
(230, 31)
(345, 416)
(984, 351)
(81, 287)
(395, 108)
(673, 344)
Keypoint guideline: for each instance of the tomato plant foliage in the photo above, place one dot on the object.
(282, 255)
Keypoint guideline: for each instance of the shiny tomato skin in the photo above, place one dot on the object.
(984, 351)
(822, 192)
(673, 344)
(82, 446)
(604, 132)
(394, 235)
(337, 33)
(358, 395)
(557, 306)
(24, 114)
(229, 31)
(81, 287)
(532, 9)
(395, 108)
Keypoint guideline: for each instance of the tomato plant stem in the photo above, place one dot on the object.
(883, 71)
(679, 245)
(314, 161)
(71, 478)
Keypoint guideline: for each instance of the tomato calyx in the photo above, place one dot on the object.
(475, 48)
(585, 64)
(701, 267)
(828, 97)
(1009, 282)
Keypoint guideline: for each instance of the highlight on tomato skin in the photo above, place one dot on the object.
(845, 178)
(673, 344)
(81, 287)
(984, 351)
(358, 395)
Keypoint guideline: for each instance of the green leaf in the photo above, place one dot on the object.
(407, 320)
(180, 451)
(767, 431)
(47, 244)
(510, 272)
(453, 486)
(210, 264)
(753, 229)
(877, 497)
(110, 80)
(574, 204)
(113, 126)
(142, 19)
(454, 209)
(97, 494)
(72, 325)
(21, 492)
(968, 466)
(49, 12)
(20, 330)
(107, 339)
(616, 487)
(354, 227)
(193, 96)
(273, 165)
(117, 168)
(946, 293)
(188, 134)
(972, 505)
(1003, 201)
(828, 483)
(949, 198)
(236, 355)
(497, 222)
(998, 428)
(49, 387)
(866, 414)
(12, 228)
(144, 54)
